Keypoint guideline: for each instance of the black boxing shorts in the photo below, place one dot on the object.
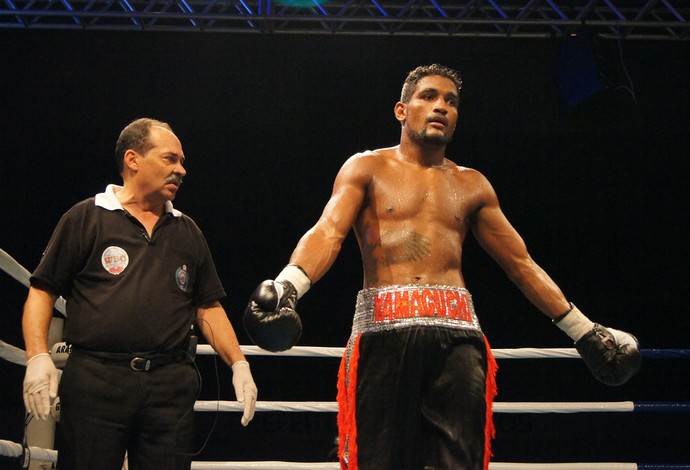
(416, 383)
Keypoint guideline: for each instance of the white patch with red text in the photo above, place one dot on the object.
(114, 259)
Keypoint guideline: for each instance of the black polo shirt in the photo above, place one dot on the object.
(126, 291)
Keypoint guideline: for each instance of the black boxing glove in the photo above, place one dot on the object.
(270, 318)
(613, 356)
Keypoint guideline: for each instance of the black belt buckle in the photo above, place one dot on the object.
(140, 364)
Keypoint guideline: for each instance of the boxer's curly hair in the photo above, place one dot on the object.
(135, 136)
(422, 71)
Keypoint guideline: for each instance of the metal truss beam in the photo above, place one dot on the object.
(619, 19)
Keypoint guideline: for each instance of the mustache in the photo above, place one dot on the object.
(175, 179)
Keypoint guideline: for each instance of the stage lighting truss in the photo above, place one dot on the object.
(621, 19)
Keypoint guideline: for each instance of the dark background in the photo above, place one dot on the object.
(598, 190)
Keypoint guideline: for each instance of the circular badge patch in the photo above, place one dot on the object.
(114, 260)
(182, 278)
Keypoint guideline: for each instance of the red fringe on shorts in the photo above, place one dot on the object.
(491, 391)
(347, 421)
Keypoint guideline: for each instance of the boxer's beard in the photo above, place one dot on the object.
(433, 140)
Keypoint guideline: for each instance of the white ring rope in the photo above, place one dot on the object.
(12, 353)
(504, 407)
(12, 449)
(14, 269)
(289, 406)
(313, 351)
(21, 274)
(16, 355)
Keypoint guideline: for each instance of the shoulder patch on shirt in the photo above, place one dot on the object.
(114, 259)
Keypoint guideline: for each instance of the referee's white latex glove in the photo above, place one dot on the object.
(245, 389)
(40, 385)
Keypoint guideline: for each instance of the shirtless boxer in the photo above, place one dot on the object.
(417, 380)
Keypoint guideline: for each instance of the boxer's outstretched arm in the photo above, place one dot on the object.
(612, 356)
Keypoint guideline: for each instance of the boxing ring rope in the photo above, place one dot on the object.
(16, 355)
(499, 407)
(505, 353)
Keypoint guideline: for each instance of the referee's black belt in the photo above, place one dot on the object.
(140, 362)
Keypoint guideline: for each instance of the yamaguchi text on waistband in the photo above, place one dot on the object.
(393, 307)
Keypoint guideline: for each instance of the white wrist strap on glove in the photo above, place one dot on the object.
(623, 339)
(245, 389)
(575, 324)
(295, 276)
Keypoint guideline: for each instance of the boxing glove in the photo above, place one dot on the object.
(270, 318)
(611, 355)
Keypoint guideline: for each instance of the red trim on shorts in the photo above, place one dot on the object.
(347, 419)
(491, 391)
